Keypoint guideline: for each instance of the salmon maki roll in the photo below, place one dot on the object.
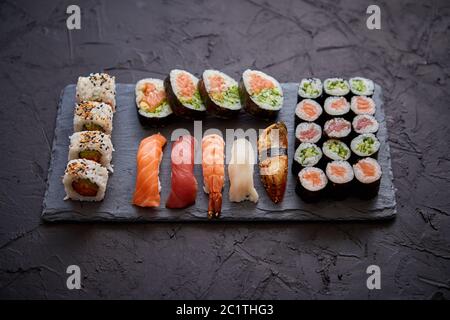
(311, 184)
(148, 159)
(308, 110)
(184, 185)
(213, 172)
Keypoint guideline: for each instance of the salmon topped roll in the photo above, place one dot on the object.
(220, 94)
(148, 159)
(100, 87)
(93, 116)
(183, 94)
(151, 101)
(213, 172)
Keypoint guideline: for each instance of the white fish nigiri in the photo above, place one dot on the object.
(240, 171)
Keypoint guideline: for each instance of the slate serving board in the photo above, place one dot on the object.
(127, 134)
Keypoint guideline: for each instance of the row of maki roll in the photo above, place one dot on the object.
(313, 88)
(90, 150)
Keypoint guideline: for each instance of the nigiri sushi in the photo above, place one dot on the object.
(273, 160)
(240, 171)
(184, 185)
(213, 172)
(148, 159)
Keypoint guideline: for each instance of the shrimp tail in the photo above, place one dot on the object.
(214, 205)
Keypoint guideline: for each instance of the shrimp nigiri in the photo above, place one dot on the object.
(148, 159)
(213, 171)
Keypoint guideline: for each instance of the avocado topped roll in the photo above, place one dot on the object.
(100, 87)
(183, 94)
(365, 145)
(220, 94)
(336, 150)
(310, 88)
(336, 87)
(85, 180)
(151, 102)
(92, 145)
(261, 94)
(306, 155)
(93, 116)
(361, 86)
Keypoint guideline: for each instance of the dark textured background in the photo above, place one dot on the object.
(409, 57)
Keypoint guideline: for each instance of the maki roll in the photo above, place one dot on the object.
(93, 116)
(336, 150)
(306, 155)
(340, 174)
(336, 87)
(100, 87)
(183, 94)
(361, 86)
(307, 110)
(85, 180)
(310, 88)
(261, 94)
(311, 184)
(337, 128)
(365, 123)
(220, 94)
(92, 145)
(368, 176)
(362, 105)
(365, 145)
(151, 102)
(336, 106)
(307, 132)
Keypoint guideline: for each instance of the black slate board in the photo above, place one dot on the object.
(127, 134)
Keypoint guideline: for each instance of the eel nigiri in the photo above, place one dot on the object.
(184, 185)
(273, 160)
(148, 186)
(213, 171)
(240, 171)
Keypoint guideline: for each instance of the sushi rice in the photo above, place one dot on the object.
(308, 132)
(93, 116)
(307, 154)
(310, 88)
(339, 172)
(312, 179)
(365, 145)
(363, 105)
(336, 106)
(367, 170)
(365, 123)
(100, 87)
(336, 150)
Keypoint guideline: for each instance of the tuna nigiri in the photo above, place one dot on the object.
(213, 171)
(148, 159)
(184, 184)
(240, 171)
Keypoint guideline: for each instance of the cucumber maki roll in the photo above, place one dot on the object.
(361, 86)
(261, 94)
(307, 110)
(336, 150)
(363, 105)
(307, 132)
(151, 102)
(311, 184)
(336, 106)
(183, 94)
(336, 87)
(365, 124)
(310, 88)
(220, 94)
(365, 145)
(368, 176)
(306, 155)
(337, 128)
(340, 175)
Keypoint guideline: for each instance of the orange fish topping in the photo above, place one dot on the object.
(363, 104)
(186, 85)
(338, 103)
(309, 109)
(313, 177)
(367, 168)
(338, 171)
(152, 96)
(258, 83)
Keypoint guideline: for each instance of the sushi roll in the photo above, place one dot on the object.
(93, 116)
(365, 145)
(261, 94)
(85, 180)
(220, 94)
(91, 145)
(308, 110)
(361, 86)
(310, 88)
(306, 155)
(100, 87)
(340, 175)
(336, 87)
(336, 106)
(183, 94)
(307, 132)
(365, 123)
(367, 177)
(151, 102)
(362, 105)
(337, 128)
(336, 150)
(311, 184)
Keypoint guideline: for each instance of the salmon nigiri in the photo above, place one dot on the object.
(184, 185)
(149, 155)
(213, 171)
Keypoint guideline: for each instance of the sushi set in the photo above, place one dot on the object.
(170, 157)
